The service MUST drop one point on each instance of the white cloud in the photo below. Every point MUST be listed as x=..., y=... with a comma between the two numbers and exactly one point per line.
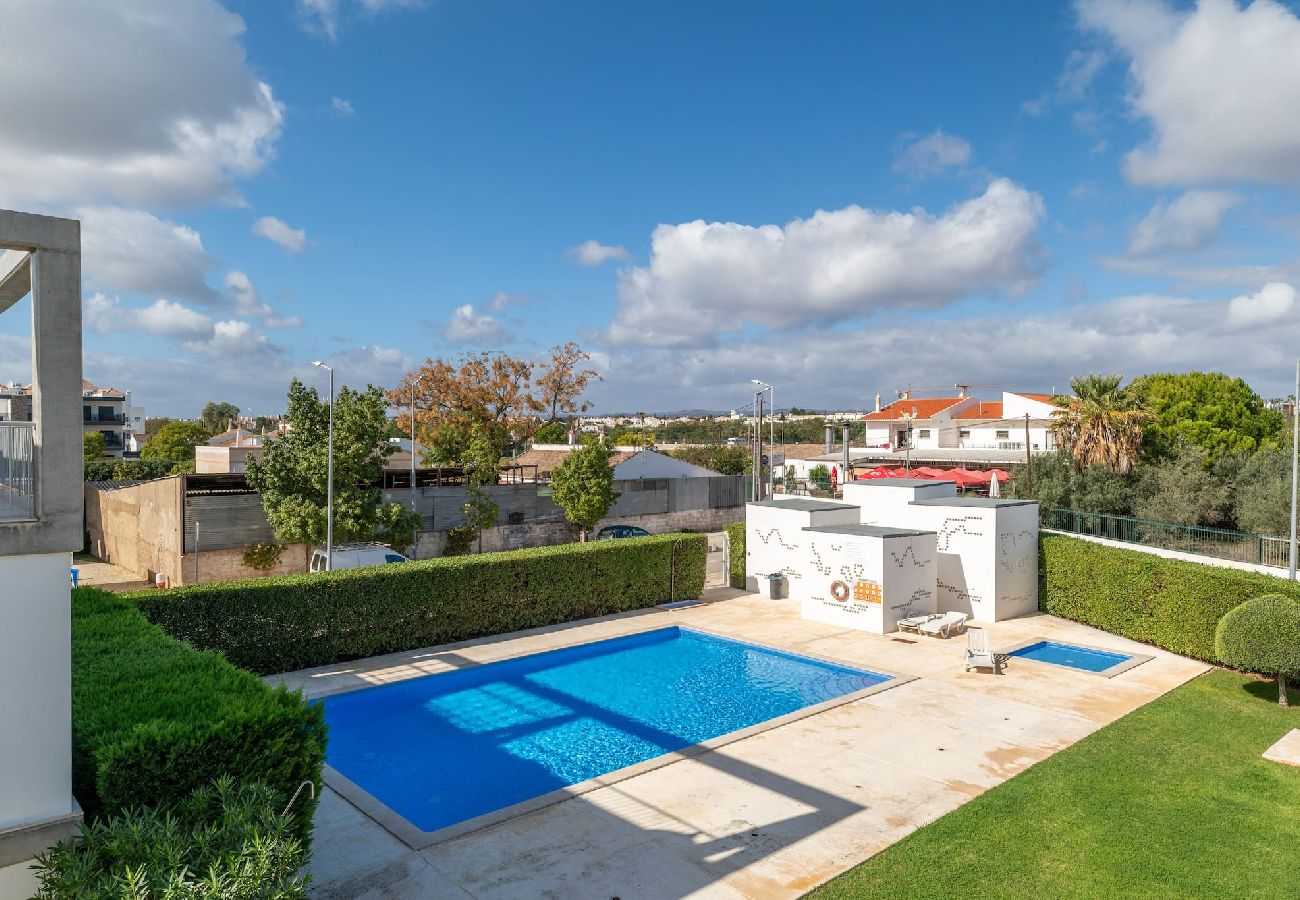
x=842, y=368
x=278, y=232
x=104, y=315
x=325, y=17
x=359, y=366
x=467, y=326
x=150, y=103
x=1219, y=84
x=247, y=302
x=341, y=107
x=132, y=251
x=502, y=301
x=932, y=155
x=1077, y=75
x=1188, y=223
x=706, y=277
x=594, y=253
x=1273, y=303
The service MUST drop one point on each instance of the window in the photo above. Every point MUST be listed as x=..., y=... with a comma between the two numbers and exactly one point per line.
x=964, y=433
x=1003, y=435
x=923, y=434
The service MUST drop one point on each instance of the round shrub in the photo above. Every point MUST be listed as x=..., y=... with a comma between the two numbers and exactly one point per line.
x=1262, y=635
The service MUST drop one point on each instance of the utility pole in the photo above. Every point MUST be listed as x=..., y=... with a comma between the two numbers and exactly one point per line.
x=1295, y=463
x=329, y=477
x=1029, y=459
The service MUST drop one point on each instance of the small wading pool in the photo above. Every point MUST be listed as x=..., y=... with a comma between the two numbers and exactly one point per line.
x=441, y=749
x=1072, y=656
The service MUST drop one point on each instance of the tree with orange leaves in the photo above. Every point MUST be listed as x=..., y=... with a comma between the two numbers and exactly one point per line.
x=564, y=378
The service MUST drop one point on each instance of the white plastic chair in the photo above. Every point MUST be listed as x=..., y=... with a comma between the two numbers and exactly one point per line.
x=979, y=655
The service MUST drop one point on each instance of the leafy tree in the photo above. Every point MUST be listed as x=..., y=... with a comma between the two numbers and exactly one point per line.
x=1262, y=635
x=1101, y=424
x=264, y=423
x=491, y=392
x=291, y=476
x=723, y=460
x=1181, y=489
x=1059, y=482
x=176, y=441
x=152, y=424
x=1211, y=410
x=1261, y=490
x=92, y=445
x=397, y=527
x=564, y=377
x=216, y=417
x=584, y=486
x=482, y=468
x=551, y=433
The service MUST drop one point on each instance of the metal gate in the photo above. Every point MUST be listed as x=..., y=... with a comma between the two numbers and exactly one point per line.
x=717, y=565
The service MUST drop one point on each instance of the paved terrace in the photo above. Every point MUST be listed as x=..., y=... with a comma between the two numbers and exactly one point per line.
x=767, y=816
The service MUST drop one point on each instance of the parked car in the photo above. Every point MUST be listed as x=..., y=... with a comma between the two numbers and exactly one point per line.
x=610, y=532
x=353, y=556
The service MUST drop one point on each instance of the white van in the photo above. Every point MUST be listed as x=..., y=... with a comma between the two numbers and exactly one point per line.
x=353, y=556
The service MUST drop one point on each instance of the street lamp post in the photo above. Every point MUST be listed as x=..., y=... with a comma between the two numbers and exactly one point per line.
x=771, y=425
x=415, y=382
x=329, y=477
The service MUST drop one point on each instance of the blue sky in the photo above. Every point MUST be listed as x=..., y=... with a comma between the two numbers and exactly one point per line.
x=1008, y=195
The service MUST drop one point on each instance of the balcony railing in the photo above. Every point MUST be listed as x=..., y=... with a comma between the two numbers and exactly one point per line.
x=17, y=484
x=104, y=419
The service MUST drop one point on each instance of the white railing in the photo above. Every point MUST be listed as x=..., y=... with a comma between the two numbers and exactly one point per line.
x=1275, y=551
x=17, y=475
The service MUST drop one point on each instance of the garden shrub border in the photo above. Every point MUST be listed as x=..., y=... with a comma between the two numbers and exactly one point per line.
x=736, y=553
x=1173, y=604
x=299, y=621
x=154, y=719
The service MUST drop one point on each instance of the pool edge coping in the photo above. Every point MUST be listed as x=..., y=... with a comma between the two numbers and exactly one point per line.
x=418, y=839
x=1134, y=659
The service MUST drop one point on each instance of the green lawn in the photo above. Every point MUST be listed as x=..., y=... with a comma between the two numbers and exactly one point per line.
x=1173, y=800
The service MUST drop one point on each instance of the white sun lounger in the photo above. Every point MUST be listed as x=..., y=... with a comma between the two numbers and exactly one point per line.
x=948, y=624
x=914, y=623
x=979, y=655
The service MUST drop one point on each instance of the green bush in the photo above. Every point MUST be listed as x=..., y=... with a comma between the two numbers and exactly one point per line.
x=223, y=841
x=153, y=719
x=736, y=548
x=281, y=624
x=127, y=469
x=1171, y=603
x=1262, y=635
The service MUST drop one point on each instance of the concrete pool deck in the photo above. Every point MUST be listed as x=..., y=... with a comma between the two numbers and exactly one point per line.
x=771, y=814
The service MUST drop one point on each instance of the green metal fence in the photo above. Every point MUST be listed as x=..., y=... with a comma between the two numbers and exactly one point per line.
x=1218, y=542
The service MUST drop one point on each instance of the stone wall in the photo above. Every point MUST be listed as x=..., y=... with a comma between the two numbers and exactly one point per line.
x=228, y=565
x=136, y=527
x=545, y=534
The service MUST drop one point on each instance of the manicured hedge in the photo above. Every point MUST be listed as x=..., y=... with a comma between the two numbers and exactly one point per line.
x=1171, y=603
x=736, y=537
x=280, y=624
x=154, y=719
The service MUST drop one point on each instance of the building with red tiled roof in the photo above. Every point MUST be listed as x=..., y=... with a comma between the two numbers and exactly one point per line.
x=916, y=421
x=929, y=423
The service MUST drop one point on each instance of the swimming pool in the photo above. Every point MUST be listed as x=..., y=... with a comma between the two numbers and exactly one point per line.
x=442, y=749
x=1072, y=656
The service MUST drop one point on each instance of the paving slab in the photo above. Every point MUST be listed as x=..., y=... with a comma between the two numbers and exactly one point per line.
x=1286, y=750
x=771, y=814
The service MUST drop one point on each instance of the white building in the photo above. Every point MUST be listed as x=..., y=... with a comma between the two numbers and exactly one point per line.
x=961, y=422
x=40, y=526
x=113, y=414
x=1001, y=424
x=897, y=547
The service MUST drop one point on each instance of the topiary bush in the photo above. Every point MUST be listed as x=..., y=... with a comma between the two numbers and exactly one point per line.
x=154, y=719
x=736, y=554
x=1171, y=603
x=1262, y=635
x=221, y=842
x=280, y=624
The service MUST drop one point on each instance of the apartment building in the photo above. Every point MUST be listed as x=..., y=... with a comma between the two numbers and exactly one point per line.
x=113, y=414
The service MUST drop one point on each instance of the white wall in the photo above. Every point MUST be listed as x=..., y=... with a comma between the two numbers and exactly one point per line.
x=776, y=542
x=35, y=645
x=884, y=500
x=901, y=566
x=987, y=554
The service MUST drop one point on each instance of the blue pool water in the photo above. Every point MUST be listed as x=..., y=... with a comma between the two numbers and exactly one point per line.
x=444, y=748
x=1071, y=656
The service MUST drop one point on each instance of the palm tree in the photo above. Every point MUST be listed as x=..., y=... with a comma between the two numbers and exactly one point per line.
x=1101, y=424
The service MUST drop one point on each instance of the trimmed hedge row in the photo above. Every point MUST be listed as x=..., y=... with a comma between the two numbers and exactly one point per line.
x=736, y=548
x=281, y=624
x=1171, y=603
x=153, y=719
